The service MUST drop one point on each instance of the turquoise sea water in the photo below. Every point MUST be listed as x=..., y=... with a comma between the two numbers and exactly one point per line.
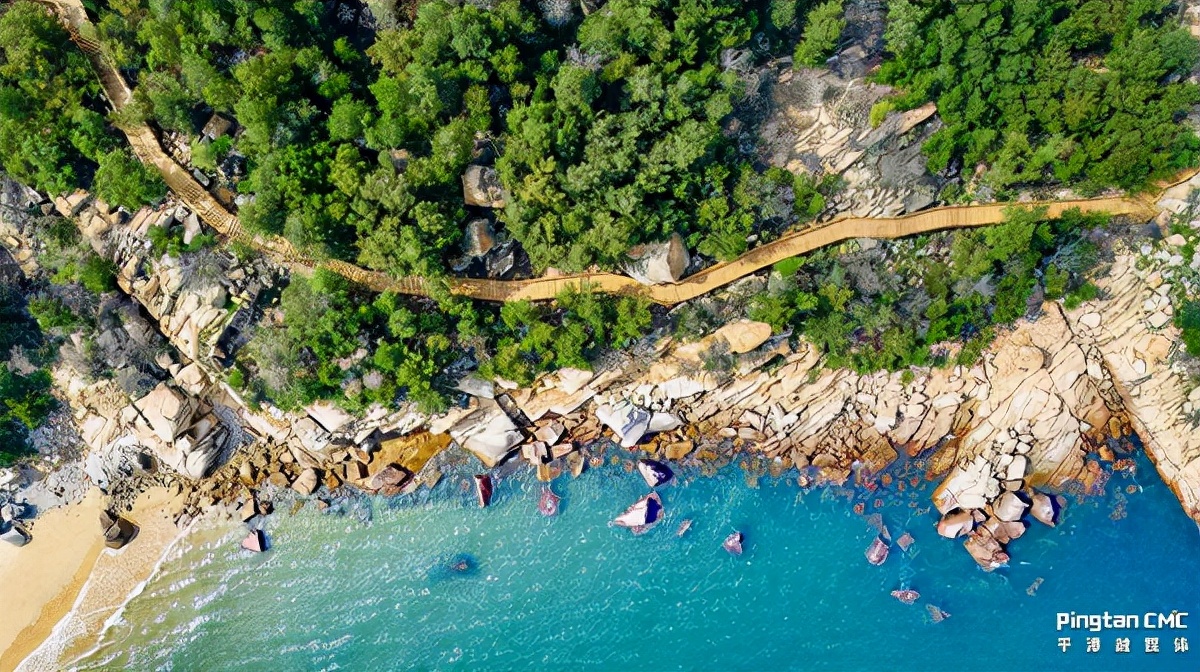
x=571, y=592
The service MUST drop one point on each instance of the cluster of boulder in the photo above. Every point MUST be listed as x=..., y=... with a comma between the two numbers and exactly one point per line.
x=986, y=499
x=1034, y=413
x=16, y=200
x=548, y=425
x=485, y=252
x=369, y=461
x=117, y=531
x=201, y=304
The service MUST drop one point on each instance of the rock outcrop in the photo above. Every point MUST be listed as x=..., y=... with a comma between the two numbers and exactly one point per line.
x=187, y=441
x=481, y=187
x=655, y=263
x=820, y=126
x=117, y=531
x=1027, y=416
x=15, y=534
x=1131, y=331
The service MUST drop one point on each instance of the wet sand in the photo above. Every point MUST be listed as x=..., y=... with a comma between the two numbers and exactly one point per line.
x=64, y=585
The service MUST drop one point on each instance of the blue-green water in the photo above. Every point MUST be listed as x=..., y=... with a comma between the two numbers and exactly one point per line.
x=571, y=592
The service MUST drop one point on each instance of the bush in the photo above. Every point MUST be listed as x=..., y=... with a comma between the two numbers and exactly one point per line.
x=976, y=59
x=25, y=403
x=1085, y=292
x=880, y=110
x=122, y=180
x=783, y=13
x=51, y=313
x=1055, y=281
x=52, y=124
x=170, y=241
x=1187, y=319
x=98, y=275
x=207, y=154
x=236, y=379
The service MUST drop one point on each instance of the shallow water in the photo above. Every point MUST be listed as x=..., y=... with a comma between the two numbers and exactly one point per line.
x=572, y=592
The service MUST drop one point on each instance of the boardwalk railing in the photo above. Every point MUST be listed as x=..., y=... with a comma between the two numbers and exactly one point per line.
x=146, y=146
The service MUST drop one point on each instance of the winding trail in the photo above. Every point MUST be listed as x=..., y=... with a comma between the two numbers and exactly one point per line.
x=149, y=150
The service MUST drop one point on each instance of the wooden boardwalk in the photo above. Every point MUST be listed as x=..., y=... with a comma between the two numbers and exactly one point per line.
x=146, y=146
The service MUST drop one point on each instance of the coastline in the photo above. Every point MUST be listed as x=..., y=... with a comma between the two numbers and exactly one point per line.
x=51, y=571
x=350, y=591
x=48, y=625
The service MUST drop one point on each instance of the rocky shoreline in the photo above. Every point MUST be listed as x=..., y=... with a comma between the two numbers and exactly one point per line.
x=1041, y=411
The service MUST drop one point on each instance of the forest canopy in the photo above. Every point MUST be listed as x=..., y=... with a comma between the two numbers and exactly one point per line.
x=608, y=128
x=1075, y=91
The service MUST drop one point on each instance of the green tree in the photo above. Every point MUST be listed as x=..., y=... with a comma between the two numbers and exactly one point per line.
x=1014, y=93
x=49, y=137
x=122, y=180
x=821, y=34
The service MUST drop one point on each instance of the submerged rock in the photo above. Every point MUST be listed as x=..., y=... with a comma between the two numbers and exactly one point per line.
x=390, y=478
x=642, y=515
x=1044, y=509
x=483, y=490
x=548, y=502
x=656, y=473
x=877, y=552
x=733, y=543
x=256, y=541
x=457, y=566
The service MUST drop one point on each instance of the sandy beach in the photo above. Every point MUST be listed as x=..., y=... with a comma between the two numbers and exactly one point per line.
x=67, y=584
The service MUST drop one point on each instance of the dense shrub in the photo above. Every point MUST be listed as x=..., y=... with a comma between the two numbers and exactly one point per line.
x=1080, y=91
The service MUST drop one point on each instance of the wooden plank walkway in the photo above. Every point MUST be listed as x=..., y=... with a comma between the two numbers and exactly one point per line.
x=146, y=146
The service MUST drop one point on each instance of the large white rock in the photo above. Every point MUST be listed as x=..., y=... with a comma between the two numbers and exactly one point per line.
x=656, y=263
x=965, y=487
x=955, y=524
x=477, y=387
x=1010, y=507
x=1016, y=468
x=488, y=433
x=663, y=422
x=681, y=387
x=572, y=380
x=1043, y=509
x=627, y=421
x=167, y=410
x=328, y=416
x=192, y=379
x=481, y=187
x=743, y=335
